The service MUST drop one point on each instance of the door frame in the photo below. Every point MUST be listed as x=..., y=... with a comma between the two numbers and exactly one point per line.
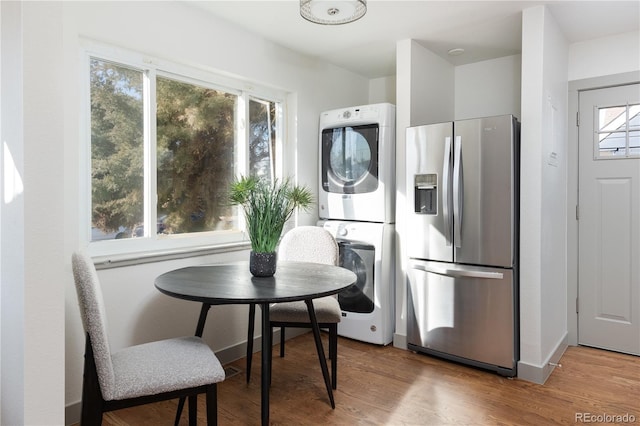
x=575, y=87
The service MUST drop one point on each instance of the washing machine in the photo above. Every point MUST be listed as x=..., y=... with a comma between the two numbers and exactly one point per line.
x=357, y=164
x=367, y=306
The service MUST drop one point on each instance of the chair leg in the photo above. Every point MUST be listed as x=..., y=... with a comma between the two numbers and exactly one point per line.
x=333, y=354
x=91, y=412
x=282, y=342
x=252, y=318
x=193, y=410
x=181, y=401
x=212, y=405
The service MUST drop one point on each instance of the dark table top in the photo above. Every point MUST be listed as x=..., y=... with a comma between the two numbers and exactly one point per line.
x=232, y=283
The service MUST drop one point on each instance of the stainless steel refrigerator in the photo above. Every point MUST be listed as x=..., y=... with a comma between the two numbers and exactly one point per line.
x=462, y=241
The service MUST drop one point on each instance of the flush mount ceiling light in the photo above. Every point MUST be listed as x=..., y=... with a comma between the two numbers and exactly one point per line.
x=456, y=52
x=332, y=12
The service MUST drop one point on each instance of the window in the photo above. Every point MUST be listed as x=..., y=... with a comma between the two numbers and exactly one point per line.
x=617, y=131
x=117, y=150
x=195, y=156
x=165, y=143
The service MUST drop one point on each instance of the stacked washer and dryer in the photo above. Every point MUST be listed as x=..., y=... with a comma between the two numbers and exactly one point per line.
x=356, y=201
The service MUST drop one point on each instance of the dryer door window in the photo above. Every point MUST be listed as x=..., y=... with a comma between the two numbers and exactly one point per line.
x=359, y=259
x=350, y=159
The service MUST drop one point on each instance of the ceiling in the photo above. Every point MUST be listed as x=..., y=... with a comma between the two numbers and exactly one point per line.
x=484, y=29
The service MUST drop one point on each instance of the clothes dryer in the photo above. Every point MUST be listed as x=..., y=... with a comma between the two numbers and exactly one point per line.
x=367, y=306
x=357, y=164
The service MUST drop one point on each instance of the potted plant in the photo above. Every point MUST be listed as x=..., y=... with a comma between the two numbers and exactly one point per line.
x=267, y=207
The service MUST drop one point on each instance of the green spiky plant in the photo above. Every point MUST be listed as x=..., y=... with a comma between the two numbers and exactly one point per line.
x=267, y=207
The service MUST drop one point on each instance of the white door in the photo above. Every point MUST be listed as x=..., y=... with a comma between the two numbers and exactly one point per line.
x=609, y=219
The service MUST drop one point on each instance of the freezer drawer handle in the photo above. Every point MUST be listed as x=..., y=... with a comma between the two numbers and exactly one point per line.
x=460, y=273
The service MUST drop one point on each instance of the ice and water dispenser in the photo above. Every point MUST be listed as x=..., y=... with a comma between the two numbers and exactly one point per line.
x=425, y=189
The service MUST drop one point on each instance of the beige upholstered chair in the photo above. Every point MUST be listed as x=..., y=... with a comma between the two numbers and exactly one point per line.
x=156, y=371
x=304, y=244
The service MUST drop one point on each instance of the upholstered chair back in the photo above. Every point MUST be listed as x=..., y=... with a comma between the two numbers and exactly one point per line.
x=309, y=244
x=94, y=319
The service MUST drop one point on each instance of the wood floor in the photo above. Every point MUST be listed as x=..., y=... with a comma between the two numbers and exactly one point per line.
x=389, y=386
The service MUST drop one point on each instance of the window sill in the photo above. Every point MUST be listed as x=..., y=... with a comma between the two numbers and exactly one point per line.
x=129, y=259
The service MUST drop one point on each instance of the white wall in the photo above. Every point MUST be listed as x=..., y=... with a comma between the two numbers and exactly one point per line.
x=44, y=211
x=487, y=88
x=48, y=59
x=11, y=217
x=543, y=284
x=604, y=56
x=432, y=87
x=403, y=120
x=32, y=234
x=382, y=90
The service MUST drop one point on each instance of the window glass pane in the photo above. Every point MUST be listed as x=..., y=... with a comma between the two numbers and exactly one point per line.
x=195, y=154
x=613, y=144
x=618, y=131
x=262, y=138
x=117, y=150
x=612, y=118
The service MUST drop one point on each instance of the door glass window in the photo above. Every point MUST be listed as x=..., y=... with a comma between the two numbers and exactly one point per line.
x=358, y=259
x=350, y=159
x=617, y=132
x=350, y=155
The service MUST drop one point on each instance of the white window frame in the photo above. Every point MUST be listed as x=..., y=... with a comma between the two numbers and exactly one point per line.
x=109, y=251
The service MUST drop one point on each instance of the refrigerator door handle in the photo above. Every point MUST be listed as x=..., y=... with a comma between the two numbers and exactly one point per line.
x=458, y=193
x=446, y=211
x=459, y=272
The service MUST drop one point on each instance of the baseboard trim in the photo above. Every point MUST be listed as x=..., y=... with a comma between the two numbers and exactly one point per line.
x=540, y=373
x=72, y=413
x=399, y=341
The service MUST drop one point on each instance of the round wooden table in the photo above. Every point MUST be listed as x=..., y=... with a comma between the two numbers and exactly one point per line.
x=232, y=283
